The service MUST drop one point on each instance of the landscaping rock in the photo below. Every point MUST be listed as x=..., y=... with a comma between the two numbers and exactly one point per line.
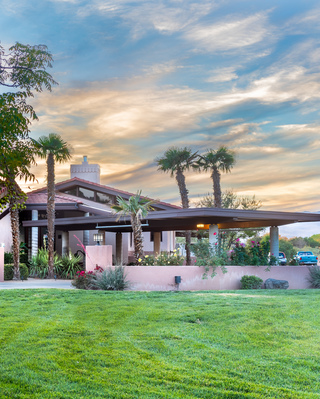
x=272, y=283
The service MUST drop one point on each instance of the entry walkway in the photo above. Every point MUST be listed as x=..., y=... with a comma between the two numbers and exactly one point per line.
x=37, y=283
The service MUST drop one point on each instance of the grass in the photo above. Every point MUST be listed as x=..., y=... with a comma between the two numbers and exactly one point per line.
x=93, y=344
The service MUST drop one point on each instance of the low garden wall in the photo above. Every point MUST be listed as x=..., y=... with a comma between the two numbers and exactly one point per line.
x=162, y=278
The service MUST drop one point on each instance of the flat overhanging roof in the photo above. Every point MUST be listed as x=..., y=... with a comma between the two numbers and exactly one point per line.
x=182, y=219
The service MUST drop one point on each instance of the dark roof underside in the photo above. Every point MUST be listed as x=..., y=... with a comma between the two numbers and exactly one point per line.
x=183, y=219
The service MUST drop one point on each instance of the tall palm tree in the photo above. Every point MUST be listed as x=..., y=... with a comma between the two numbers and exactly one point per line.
x=217, y=161
x=137, y=208
x=54, y=149
x=176, y=161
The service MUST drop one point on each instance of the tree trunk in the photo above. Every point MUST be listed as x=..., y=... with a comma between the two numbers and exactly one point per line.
x=14, y=218
x=185, y=204
x=216, y=187
x=50, y=213
x=137, y=239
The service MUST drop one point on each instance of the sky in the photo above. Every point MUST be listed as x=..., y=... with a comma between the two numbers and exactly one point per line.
x=138, y=77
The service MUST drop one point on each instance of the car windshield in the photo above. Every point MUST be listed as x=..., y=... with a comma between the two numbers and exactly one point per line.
x=305, y=253
x=281, y=255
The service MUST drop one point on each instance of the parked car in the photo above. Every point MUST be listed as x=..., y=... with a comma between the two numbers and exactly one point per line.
x=282, y=259
x=306, y=258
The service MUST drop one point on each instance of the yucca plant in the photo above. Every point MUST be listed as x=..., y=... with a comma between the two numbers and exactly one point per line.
x=69, y=265
x=39, y=265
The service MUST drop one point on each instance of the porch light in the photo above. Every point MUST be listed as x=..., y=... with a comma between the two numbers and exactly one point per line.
x=200, y=226
x=98, y=238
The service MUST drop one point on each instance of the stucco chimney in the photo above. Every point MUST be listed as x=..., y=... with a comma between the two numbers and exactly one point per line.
x=86, y=171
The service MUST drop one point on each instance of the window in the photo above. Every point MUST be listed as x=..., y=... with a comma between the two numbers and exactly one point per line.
x=72, y=191
x=85, y=193
x=103, y=198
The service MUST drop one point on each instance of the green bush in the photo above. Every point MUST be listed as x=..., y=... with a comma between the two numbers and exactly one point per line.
x=314, y=276
x=251, y=282
x=8, y=258
x=163, y=259
x=69, y=265
x=83, y=280
x=111, y=279
x=8, y=271
x=39, y=263
x=210, y=257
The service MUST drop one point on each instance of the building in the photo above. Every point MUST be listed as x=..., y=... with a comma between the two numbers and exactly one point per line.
x=82, y=196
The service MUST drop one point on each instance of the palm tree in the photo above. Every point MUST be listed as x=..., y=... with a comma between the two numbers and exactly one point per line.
x=137, y=208
x=176, y=161
x=54, y=149
x=217, y=161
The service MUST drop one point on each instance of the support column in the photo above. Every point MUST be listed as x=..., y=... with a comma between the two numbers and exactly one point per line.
x=274, y=242
x=119, y=256
x=156, y=243
x=34, y=234
x=86, y=233
x=213, y=235
x=65, y=243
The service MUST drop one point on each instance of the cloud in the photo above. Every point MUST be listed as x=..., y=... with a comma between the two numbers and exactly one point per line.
x=222, y=75
x=233, y=33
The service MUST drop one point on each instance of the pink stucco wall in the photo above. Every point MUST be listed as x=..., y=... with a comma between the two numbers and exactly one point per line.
x=100, y=255
x=161, y=278
x=1, y=264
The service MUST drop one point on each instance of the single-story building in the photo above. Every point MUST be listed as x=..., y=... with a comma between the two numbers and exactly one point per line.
x=83, y=209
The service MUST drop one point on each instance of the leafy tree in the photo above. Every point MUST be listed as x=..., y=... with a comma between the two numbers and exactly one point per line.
x=231, y=200
x=24, y=67
x=298, y=242
x=176, y=161
x=137, y=208
x=217, y=161
x=311, y=242
x=54, y=149
x=21, y=67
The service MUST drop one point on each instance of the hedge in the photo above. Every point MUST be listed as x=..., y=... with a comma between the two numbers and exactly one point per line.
x=8, y=271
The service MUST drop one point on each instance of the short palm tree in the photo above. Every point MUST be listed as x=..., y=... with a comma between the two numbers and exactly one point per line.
x=176, y=161
x=137, y=208
x=54, y=149
x=217, y=161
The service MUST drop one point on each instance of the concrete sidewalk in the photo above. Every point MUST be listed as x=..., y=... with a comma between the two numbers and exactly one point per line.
x=36, y=283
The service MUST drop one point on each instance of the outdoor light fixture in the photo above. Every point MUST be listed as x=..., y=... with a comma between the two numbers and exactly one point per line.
x=200, y=226
x=98, y=238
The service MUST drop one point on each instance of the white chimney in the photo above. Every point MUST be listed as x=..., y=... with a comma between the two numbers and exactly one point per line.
x=86, y=171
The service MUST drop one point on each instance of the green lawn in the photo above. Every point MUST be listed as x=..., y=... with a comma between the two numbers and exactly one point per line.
x=94, y=344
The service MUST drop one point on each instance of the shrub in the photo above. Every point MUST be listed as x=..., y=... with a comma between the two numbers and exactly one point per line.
x=251, y=282
x=83, y=280
x=8, y=258
x=69, y=265
x=39, y=263
x=210, y=257
x=111, y=279
x=8, y=271
x=314, y=276
x=163, y=259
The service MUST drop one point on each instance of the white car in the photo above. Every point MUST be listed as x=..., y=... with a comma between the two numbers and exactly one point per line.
x=282, y=259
